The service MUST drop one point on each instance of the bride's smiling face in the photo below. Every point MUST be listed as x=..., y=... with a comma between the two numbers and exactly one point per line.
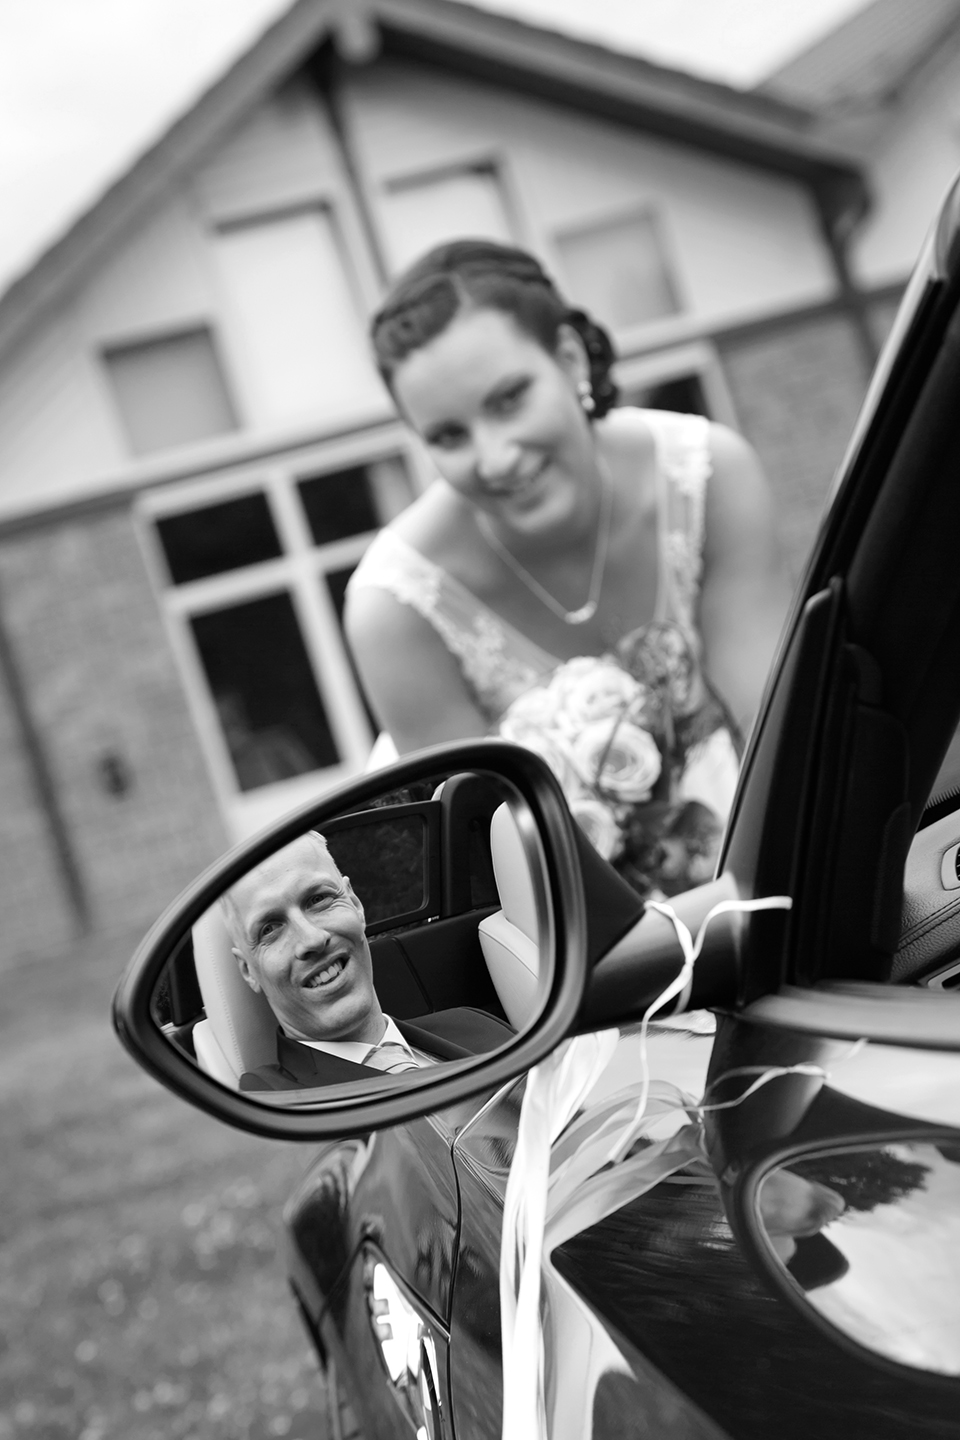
x=502, y=417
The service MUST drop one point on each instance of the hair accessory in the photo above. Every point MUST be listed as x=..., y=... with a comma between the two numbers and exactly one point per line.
x=585, y=391
x=589, y=609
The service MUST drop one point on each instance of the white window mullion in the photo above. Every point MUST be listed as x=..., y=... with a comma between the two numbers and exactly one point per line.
x=321, y=629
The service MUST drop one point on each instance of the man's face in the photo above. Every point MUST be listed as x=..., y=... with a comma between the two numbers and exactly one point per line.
x=302, y=943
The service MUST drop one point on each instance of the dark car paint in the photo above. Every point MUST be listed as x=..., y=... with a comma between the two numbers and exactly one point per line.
x=349, y=1200
x=665, y=1271
x=712, y=1349
x=701, y=1332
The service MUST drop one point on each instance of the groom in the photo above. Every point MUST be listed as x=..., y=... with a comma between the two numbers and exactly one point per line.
x=298, y=935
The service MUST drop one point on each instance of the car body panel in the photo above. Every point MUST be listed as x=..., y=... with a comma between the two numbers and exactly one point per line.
x=654, y=1317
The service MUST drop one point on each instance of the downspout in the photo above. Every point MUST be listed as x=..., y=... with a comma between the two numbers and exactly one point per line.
x=840, y=214
x=357, y=47
x=43, y=784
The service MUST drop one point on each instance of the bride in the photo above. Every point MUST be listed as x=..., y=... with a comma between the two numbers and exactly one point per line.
x=559, y=526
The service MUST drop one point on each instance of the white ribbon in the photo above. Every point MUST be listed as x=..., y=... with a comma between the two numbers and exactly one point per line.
x=568, y=1173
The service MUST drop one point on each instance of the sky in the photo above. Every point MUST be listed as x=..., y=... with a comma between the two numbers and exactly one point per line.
x=87, y=85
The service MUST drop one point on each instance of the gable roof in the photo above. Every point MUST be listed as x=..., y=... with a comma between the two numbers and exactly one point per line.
x=752, y=128
x=866, y=61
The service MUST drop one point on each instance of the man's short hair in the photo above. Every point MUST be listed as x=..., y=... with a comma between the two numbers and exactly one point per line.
x=229, y=910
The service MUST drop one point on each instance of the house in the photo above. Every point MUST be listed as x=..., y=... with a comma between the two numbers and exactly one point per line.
x=195, y=447
x=885, y=87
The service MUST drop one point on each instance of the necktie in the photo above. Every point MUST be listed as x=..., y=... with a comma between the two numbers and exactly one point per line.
x=390, y=1057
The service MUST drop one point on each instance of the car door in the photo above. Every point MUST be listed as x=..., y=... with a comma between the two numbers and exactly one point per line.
x=850, y=784
x=849, y=773
x=671, y=1312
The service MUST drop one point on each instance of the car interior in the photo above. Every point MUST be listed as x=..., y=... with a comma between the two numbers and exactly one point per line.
x=929, y=947
x=451, y=910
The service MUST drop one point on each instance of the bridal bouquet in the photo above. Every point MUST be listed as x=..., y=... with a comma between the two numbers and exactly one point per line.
x=623, y=733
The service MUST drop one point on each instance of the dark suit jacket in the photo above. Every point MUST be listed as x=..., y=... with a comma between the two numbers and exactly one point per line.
x=447, y=1034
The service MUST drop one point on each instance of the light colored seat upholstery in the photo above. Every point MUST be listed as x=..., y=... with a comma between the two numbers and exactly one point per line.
x=510, y=937
x=240, y=1031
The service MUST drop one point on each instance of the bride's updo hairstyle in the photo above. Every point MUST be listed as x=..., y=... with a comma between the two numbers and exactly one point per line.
x=482, y=275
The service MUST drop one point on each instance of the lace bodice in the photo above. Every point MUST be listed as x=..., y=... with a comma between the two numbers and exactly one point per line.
x=497, y=661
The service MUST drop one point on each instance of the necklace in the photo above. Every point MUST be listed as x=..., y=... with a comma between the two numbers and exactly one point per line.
x=589, y=609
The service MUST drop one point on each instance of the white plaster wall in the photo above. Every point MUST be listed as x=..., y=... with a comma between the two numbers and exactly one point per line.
x=283, y=154
x=59, y=433
x=58, y=426
x=282, y=158
x=55, y=423
x=911, y=164
x=742, y=242
x=155, y=282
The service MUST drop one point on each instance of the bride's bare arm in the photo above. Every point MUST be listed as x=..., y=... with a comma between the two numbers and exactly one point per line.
x=414, y=683
x=744, y=590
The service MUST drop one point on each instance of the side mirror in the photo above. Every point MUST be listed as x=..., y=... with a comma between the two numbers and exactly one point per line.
x=444, y=895
x=841, y=1181
x=451, y=894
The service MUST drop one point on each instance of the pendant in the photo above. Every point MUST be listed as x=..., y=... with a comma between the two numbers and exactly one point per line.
x=581, y=616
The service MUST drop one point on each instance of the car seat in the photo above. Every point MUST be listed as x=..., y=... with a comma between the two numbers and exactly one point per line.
x=509, y=938
x=240, y=1029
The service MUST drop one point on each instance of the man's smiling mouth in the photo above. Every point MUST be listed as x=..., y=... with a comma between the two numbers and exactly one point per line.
x=325, y=975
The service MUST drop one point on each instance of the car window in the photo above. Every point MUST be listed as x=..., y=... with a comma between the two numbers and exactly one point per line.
x=387, y=864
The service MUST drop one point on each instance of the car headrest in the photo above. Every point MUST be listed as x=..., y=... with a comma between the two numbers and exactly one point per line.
x=509, y=937
x=511, y=870
x=240, y=1019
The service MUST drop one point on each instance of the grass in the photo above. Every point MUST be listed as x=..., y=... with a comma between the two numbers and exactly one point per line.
x=142, y=1288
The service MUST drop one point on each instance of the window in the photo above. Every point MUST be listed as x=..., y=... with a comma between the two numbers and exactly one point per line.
x=348, y=502
x=296, y=323
x=273, y=719
x=455, y=204
x=253, y=571
x=685, y=378
x=682, y=393
x=219, y=537
x=617, y=271
x=170, y=391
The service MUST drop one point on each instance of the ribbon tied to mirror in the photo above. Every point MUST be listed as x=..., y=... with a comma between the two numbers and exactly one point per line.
x=573, y=1166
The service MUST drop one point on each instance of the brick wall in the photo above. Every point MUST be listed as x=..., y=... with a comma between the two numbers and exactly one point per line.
x=797, y=391
x=101, y=684
x=33, y=900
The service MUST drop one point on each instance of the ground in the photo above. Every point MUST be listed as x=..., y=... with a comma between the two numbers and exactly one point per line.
x=142, y=1285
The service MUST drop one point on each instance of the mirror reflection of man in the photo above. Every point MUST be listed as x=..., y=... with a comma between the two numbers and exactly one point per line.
x=298, y=934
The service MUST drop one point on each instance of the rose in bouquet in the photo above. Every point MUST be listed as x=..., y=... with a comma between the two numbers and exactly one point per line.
x=618, y=732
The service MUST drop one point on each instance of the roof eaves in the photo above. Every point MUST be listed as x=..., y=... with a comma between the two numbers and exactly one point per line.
x=179, y=149
x=750, y=127
x=753, y=128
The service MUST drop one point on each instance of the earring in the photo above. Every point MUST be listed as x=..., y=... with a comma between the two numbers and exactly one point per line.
x=585, y=392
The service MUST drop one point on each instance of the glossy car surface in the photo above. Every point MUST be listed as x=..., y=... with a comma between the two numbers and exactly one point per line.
x=676, y=1314
x=660, y=1323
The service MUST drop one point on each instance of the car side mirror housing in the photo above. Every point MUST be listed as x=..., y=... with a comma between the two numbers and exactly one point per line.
x=205, y=1001
x=451, y=895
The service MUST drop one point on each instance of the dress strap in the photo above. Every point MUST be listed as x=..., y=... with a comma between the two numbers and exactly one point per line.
x=684, y=465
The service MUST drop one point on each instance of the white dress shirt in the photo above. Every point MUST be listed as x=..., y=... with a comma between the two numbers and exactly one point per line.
x=361, y=1052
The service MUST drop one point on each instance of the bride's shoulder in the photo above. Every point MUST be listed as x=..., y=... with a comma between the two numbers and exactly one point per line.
x=626, y=436
x=624, y=421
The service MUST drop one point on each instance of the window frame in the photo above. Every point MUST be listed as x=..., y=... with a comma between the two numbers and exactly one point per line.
x=298, y=571
x=492, y=161
x=627, y=335
x=209, y=325
x=657, y=367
